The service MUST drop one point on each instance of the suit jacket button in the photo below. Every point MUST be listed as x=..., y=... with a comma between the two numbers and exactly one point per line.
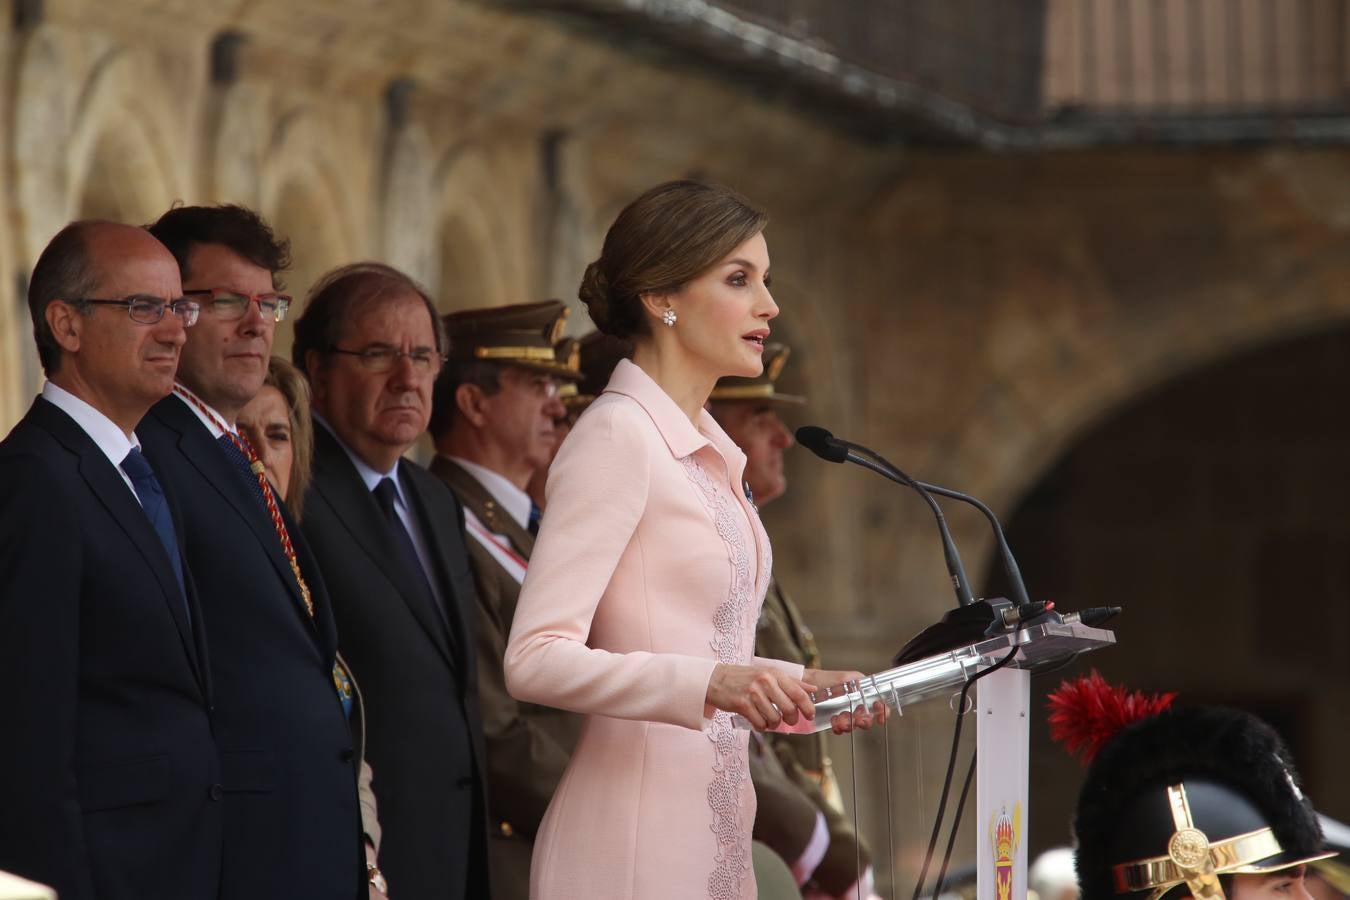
x=463, y=782
x=346, y=755
x=216, y=792
x=507, y=830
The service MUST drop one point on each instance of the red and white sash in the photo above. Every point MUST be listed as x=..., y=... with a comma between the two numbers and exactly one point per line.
x=497, y=546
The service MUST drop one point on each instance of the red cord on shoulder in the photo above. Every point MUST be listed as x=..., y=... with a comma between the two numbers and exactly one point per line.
x=1087, y=712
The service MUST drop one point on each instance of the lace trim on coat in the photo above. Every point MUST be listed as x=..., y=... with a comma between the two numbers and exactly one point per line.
x=733, y=634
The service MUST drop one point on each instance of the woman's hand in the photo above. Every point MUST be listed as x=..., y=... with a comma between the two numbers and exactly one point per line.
x=823, y=678
x=762, y=695
x=844, y=722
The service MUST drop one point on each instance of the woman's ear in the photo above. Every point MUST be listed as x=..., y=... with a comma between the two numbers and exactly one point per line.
x=654, y=305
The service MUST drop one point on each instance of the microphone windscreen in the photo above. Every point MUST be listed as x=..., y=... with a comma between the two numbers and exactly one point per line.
x=822, y=443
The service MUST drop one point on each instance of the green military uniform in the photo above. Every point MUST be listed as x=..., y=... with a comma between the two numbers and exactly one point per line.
x=802, y=760
x=792, y=774
x=593, y=357
x=528, y=746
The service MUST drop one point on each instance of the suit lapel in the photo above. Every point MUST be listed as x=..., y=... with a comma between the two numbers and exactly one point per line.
x=440, y=522
x=323, y=619
x=111, y=491
x=204, y=454
x=478, y=500
x=340, y=484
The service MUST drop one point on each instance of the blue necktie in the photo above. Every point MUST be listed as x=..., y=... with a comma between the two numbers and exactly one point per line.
x=241, y=464
x=535, y=515
x=386, y=493
x=151, y=495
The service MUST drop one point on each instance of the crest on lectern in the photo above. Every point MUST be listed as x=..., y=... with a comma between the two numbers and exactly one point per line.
x=1005, y=834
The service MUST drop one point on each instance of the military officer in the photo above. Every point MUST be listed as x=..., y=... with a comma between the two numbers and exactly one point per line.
x=800, y=811
x=594, y=357
x=495, y=409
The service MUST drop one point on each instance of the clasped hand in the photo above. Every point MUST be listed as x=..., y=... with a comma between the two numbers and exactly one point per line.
x=767, y=697
x=844, y=722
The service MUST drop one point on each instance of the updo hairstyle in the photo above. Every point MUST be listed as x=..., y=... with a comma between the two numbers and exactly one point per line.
x=660, y=242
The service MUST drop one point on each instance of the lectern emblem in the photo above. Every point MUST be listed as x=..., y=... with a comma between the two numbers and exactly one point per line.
x=1005, y=834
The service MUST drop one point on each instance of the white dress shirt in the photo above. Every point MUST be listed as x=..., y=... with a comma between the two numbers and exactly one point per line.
x=206, y=420
x=103, y=431
x=516, y=502
x=372, y=478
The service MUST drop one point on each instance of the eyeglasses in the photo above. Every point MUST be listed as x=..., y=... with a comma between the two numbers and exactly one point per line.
x=381, y=359
x=231, y=305
x=148, y=309
x=540, y=386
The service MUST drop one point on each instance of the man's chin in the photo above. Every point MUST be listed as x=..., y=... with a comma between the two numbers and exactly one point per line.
x=157, y=387
x=401, y=435
x=770, y=494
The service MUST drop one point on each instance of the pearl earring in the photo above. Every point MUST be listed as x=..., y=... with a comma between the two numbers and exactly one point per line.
x=668, y=318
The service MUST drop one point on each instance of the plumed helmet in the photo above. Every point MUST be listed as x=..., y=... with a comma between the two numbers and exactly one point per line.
x=1182, y=796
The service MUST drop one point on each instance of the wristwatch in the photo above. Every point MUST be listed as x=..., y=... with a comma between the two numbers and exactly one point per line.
x=376, y=878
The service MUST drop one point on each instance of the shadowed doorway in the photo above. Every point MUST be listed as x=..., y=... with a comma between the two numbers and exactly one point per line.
x=1213, y=509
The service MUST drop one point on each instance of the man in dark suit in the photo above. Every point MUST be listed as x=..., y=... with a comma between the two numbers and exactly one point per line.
x=495, y=406
x=292, y=825
x=390, y=538
x=109, y=779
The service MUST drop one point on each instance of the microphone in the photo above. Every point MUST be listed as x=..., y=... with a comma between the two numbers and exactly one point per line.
x=1010, y=567
x=971, y=620
x=822, y=443
x=829, y=448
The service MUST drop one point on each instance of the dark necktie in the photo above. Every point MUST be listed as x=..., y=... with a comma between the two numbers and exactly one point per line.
x=386, y=494
x=535, y=515
x=241, y=464
x=151, y=495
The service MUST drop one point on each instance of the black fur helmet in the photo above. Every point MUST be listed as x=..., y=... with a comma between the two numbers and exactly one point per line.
x=1181, y=797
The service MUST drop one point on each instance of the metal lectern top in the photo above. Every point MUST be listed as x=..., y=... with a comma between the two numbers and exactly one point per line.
x=1039, y=646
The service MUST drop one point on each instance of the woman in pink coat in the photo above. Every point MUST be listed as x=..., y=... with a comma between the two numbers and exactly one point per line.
x=645, y=583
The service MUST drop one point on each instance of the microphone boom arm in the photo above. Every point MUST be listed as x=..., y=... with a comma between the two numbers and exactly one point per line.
x=960, y=583
x=1018, y=586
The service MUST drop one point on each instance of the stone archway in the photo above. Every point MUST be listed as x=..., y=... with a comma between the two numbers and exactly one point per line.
x=304, y=199
x=407, y=206
x=13, y=311
x=304, y=213
x=1035, y=295
x=1209, y=508
x=42, y=114
x=1057, y=394
x=238, y=127
x=122, y=165
x=120, y=182
x=88, y=140
x=466, y=277
x=483, y=256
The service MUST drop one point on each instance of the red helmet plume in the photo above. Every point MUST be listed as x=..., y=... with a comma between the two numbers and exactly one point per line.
x=1087, y=712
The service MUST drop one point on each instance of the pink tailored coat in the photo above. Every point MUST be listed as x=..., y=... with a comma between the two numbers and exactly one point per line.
x=650, y=568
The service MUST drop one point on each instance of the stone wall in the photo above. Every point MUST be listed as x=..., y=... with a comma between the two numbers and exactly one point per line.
x=1210, y=509
x=969, y=314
